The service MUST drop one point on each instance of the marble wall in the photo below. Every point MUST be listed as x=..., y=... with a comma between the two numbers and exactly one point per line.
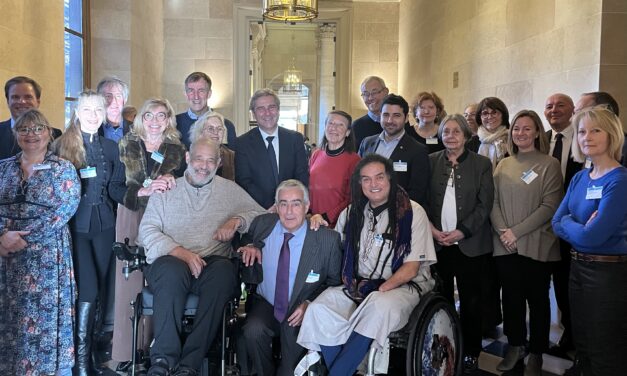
x=519, y=50
x=31, y=44
x=375, y=50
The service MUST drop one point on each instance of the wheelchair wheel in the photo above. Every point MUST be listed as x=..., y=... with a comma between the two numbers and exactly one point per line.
x=435, y=343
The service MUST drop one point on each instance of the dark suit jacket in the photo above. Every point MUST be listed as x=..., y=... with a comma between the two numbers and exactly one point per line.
x=474, y=197
x=126, y=127
x=321, y=253
x=253, y=171
x=114, y=192
x=572, y=167
x=8, y=143
x=416, y=179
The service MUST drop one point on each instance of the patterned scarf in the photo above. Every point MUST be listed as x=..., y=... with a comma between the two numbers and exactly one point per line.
x=358, y=288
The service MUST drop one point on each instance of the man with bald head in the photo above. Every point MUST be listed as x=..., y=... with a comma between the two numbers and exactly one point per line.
x=558, y=110
x=373, y=90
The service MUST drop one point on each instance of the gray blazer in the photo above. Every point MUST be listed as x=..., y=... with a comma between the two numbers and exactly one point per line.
x=321, y=253
x=474, y=196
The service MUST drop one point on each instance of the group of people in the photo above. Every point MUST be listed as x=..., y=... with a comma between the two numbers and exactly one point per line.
x=342, y=243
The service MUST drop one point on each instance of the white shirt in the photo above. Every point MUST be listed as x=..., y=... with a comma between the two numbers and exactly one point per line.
x=567, y=141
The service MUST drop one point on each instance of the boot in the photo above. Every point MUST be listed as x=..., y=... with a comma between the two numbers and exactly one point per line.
x=534, y=365
x=513, y=355
x=84, y=324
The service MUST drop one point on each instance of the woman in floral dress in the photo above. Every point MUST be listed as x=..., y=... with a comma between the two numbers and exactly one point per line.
x=39, y=193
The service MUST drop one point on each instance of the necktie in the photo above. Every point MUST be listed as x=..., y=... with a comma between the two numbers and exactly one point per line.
x=557, y=149
x=272, y=155
x=282, y=285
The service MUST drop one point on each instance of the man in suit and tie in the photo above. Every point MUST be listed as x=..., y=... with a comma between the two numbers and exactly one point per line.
x=198, y=91
x=410, y=158
x=297, y=265
x=558, y=110
x=115, y=92
x=269, y=154
x=22, y=94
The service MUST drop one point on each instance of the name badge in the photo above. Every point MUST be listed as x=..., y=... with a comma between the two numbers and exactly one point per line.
x=41, y=166
x=88, y=172
x=432, y=141
x=588, y=163
x=594, y=193
x=157, y=157
x=400, y=166
x=529, y=176
x=312, y=277
x=147, y=183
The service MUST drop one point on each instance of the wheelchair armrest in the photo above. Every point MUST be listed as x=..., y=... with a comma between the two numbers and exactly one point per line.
x=134, y=257
x=251, y=275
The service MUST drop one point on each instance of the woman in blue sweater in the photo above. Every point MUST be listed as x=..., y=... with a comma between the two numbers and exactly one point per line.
x=593, y=218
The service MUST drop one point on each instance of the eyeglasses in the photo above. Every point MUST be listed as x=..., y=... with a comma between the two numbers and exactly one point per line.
x=367, y=94
x=37, y=130
x=160, y=116
x=486, y=113
x=213, y=130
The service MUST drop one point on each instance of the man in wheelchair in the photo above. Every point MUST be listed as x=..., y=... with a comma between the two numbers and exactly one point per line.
x=297, y=264
x=388, y=249
x=187, y=233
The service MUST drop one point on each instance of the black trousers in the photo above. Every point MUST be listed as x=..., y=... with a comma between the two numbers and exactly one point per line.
x=525, y=281
x=260, y=328
x=598, y=301
x=453, y=264
x=561, y=271
x=92, y=257
x=170, y=281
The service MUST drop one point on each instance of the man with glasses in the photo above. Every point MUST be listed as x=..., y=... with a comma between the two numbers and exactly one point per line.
x=115, y=92
x=198, y=91
x=269, y=154
x=373, y=91
x=22, y=94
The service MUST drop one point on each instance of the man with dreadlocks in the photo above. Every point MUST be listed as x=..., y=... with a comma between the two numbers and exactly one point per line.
x=388, y=249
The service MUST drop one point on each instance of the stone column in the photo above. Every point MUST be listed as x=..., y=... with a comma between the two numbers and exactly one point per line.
x=326, y=77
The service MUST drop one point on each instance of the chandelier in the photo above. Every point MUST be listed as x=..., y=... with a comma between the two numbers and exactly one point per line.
x=290, y=10
x=292, y=79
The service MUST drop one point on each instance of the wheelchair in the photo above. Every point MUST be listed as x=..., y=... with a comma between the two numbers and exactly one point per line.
x=135, y=259
x=431, y=339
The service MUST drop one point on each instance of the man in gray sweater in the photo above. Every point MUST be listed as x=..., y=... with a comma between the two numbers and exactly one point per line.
x=187, y=233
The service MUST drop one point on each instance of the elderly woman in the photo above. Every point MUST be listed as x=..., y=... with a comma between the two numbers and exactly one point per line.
x=388, y=249
x=39, y=193
x=593, y=218
x=461, y=198
x=211, y=125
x=153, y=157
x=429, y=111
x=330, y=169
x=97, y=161
x=493, y=119
x=528, y=189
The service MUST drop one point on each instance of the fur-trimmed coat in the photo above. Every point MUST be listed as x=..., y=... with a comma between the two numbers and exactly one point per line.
x=133, y=155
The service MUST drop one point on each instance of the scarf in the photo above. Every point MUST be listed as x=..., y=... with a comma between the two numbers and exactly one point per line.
x=358, y=288
x=493, y=145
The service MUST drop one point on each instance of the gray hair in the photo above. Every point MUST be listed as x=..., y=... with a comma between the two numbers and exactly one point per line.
x=207, y=142
x=112, y=80
x=292, y=183
x=460, y=120
x=373, y=78
x=263, y=93
x=195, y=131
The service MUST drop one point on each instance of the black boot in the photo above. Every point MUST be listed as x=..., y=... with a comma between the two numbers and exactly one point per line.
x=84, y=324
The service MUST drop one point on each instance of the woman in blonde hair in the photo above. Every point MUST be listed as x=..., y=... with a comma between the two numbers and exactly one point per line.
x=211, y=125
x=97, y=162
x=153, y=157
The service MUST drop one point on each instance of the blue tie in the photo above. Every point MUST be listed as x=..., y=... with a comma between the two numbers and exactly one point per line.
x=272, y=155
x=282, y=285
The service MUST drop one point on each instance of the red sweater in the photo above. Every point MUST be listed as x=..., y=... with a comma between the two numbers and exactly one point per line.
x=329, y=183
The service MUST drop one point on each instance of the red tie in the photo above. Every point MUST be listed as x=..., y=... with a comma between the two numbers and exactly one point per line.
x=282, y=285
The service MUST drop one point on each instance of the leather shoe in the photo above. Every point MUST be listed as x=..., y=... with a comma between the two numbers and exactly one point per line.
x=159, y=367
x=184, y=371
